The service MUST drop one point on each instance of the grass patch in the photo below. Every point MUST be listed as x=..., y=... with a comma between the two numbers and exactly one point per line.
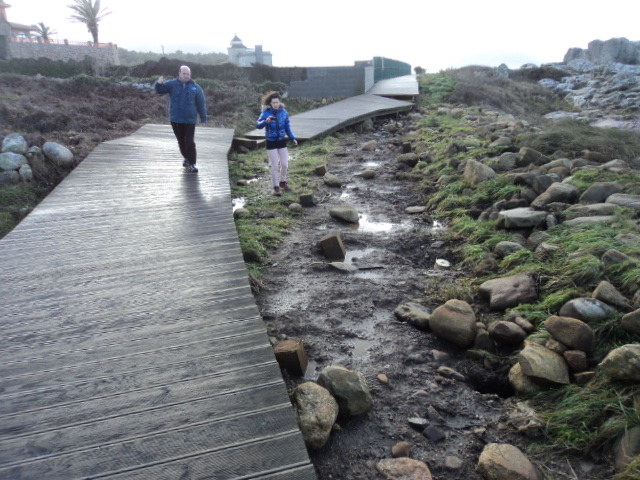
x=16, y=201
x=573, y=137
x=270, y=218
x=588, y=419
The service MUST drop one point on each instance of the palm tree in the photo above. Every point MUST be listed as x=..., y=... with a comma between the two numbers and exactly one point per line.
x=90, y=14
x=44, y=32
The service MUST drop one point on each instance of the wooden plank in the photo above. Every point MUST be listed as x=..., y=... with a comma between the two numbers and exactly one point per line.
x=132, y=346
x=339, y=115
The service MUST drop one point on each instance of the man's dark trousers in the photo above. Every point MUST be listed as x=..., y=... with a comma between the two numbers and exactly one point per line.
x=185, y=133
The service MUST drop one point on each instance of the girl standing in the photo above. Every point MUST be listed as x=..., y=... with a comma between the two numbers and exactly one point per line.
x=276, y=121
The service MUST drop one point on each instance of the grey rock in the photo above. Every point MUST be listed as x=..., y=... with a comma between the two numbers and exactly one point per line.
x=508, y=292
x=607, y=293
x=598, y=192
x=557, y=192
x=348, y=387
x=506, y=333
x=12, y=161
x=316, y=411
x=596, y=220
x=345, y=212
x=15, y=143
x=57, y=153
x=589, y=310
x=414, y=314
x=455, y=322
x=543, y=366
x=625, y=200
x=332, y=180
x=476, y=172
x=517, y=218
x=506, y=248
x=631, y=322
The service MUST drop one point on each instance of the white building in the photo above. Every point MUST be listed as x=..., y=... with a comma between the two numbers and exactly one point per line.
x=244, y=57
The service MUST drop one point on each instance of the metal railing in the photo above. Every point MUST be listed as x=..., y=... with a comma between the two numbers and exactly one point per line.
x=61, y=42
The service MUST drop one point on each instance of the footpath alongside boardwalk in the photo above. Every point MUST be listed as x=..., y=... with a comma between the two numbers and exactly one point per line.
x=131, y=345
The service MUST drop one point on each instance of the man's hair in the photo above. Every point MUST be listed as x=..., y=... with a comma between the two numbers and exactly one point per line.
x=266, y=100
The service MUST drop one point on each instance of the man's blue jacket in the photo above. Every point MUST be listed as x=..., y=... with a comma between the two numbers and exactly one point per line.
x=186, y=100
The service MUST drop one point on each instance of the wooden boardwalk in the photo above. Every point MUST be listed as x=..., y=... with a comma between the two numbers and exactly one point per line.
x=405, y=87
x=337, y=116
x=131, y=344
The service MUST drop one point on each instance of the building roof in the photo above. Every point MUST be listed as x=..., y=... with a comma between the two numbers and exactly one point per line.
x=235, y=41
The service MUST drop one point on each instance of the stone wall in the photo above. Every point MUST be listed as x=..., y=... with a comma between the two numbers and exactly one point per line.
x=103, y=55
x=614, y=50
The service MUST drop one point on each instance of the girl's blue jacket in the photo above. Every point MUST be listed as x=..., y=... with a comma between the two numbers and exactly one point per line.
x=276, y=129
x=186, y=100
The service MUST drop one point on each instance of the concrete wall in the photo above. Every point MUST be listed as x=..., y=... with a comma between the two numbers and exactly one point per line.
x=333, y=82
x=103, y=55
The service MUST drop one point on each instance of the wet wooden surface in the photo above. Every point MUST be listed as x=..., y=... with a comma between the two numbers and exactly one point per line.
x=337, y=116
x=131, y=344
x=405, y=87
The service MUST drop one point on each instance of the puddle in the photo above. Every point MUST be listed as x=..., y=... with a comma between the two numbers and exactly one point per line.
x=237, y=203
x=360, y=347
x=369, y=226
x=371, y=164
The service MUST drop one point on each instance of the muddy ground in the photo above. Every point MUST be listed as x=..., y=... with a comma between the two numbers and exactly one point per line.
x=348, y=319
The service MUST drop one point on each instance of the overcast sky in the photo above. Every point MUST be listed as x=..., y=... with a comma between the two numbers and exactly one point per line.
x=433, y=35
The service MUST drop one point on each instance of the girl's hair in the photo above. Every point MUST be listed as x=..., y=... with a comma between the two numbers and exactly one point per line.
x=266, y=100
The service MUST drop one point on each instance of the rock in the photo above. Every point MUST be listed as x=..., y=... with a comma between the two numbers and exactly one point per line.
x=403, y=469
x=449, y=372
x=614, y=259
x=599, y=220
x=58, y=154
x=343, y=267
x=415, y=209
x=316, y=411
x=345, y=212
x=543, y=366
x=410, y=159
x=506, y=462
x=241, y=212
x=506, y=333
x=588, y=310
x=624, y=200
x=508, y=292
x=418, y=423
x=607, y=293
x=332, y=180
x=368, y=174
x=517, y=218
x=598, y=192
x=476, y=172
x=501, y=142
x=571, y=332
x=504, y=163
x=348, y=387
x=521, y=383
x=506, y=248
x=12, y=161
x=296, y=208
x=628, y=238
x=623, y=363
x=528, y=156
x=631, y=322
x=414, y=314
x=454, y=322
x=536, y=239
x=434, y=434
x=452, y=463
x=593, y=209
x=576, y=360
x=626, y=448
x=401, y=449
x=10, y=177
x=557, y=192
x=14, y=143
x=26, y=174
x=370, y=146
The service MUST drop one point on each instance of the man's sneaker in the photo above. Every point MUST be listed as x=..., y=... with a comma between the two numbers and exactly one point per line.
x=284, y=186
x=193, y=168
x=276, y=191
x=185, y=163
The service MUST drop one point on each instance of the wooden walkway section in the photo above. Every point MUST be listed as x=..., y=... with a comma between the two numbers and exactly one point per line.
x=337, y=116
x=402, y=88
x=131, y=344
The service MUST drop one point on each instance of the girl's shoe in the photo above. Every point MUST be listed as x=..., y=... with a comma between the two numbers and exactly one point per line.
x=285, y=186
x=276, y=191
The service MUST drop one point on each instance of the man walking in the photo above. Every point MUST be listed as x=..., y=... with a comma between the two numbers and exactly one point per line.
x=186, y=102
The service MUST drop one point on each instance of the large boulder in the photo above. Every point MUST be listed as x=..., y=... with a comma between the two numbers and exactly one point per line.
x=15, y=143
x=543, y=366
x=12, y=161
x=57, y=153
x=508, y=292
x=500, y=461
x=455, y=322
x=625, y=200
x=571, y=332
x=317, y=411
x=348, y=387
x=623, y=363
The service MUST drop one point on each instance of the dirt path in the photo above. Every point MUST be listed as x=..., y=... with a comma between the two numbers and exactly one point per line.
x=347, y=319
